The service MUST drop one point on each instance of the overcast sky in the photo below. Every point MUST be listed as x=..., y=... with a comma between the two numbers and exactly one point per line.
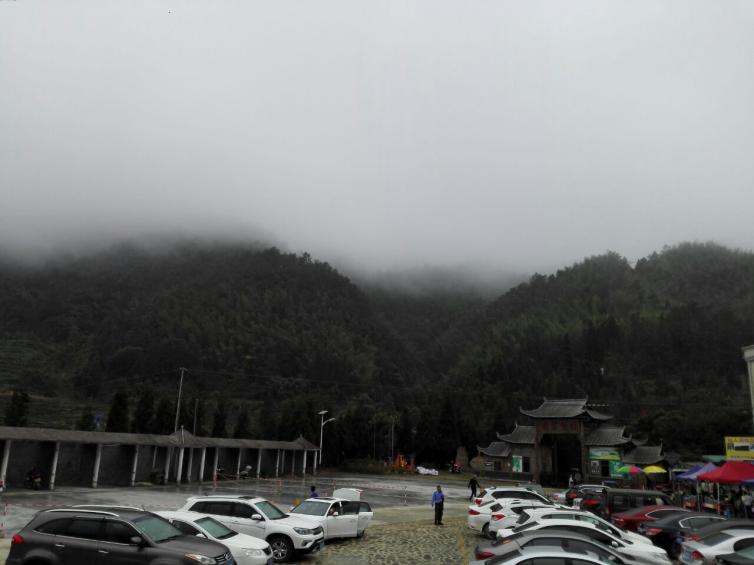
x=518, y=134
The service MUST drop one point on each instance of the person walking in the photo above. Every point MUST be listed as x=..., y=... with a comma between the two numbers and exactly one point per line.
x=438, y=501
x=473, y=485
x=313, y=492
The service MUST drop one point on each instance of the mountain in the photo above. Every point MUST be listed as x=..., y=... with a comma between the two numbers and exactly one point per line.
x=268, y=339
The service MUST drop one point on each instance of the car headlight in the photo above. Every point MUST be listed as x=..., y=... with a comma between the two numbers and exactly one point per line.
x=304, y=531
x=253, y=552
x=203, y=559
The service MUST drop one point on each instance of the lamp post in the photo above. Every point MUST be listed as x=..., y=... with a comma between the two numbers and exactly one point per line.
x=322, y=424
x=748, y=352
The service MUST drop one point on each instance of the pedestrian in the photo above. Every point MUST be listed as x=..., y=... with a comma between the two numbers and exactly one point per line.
x=438, y=501
x=571, y=481
x=313, y=492
x=473, y=485
x=746, y=502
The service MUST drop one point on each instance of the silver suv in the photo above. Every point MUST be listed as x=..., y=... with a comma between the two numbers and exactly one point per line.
x=116, y=535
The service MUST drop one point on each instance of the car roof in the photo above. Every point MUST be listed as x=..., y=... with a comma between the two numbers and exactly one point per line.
x=230, y=497
x=612, y=490
x=541, y=552
x=675, y=518
x=94, y=510
x=556, y=532
x=711, y=529
x=650, y=508
x=180, y=515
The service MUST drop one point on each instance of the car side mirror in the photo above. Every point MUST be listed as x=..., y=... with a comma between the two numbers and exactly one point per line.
x=256, y=517
x=137, y=540
x=200, y=535
x=614, y=543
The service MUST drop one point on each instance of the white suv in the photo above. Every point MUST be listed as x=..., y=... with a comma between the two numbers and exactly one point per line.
x=260, y=518
x=517, y=493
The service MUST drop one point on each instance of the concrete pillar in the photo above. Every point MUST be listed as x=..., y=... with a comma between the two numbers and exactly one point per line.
x=134, y=465
x=6, y=457
x=293, y=463
x=259, y=461
x=97, y=461
x=154, y=456
x=217, y=461
x=282, y=465
x=315, y=462
x=190, y=464
x=167, y=464
x=54, y=469
x=748, y=353
x=303, y=467
x=202, y=460
x=238, y=463
x=179, y=467
x=277, y=464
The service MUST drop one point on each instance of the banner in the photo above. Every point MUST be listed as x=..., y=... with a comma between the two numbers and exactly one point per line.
x=604, y=454
x=517, y=464
x=739, y=448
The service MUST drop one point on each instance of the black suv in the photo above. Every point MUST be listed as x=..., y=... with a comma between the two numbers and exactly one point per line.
x=113, y=535
x=613, y=500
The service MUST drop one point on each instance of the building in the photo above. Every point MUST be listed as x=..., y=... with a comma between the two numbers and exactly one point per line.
x=562, y=437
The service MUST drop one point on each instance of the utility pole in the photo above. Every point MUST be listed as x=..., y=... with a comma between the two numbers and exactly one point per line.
x=748, y=352
x=178, y=404
x=196, y=410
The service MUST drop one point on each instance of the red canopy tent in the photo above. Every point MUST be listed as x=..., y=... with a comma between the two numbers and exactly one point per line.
x=731, y=473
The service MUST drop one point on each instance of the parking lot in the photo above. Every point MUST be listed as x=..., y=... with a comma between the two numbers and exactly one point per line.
x=402, y=527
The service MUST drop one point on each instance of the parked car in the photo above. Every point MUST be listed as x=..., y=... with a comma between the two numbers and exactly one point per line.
x=631, y=519
x=117, y=535
x=573, y=495
x=705, y=551
x=518, y=493
x=616, y=500
x=632, y=550
x=338, y=517
x=543, y=556
x=567, y=540
x=670, y=531
x=246, y=550
x=721, y=526
x=478, y=516
x=508, y=515
x=742, y=557
x=287, y=535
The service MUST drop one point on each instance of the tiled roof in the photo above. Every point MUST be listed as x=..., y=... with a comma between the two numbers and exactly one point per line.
x=644, y=455
x=607, y=436
x=180, y=438
x=496, y=449
x=522, y=435
x=567, y=408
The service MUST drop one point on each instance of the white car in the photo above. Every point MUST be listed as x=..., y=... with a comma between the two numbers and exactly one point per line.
x=260, y=518
x=510, y=513
x=638, y=552
x=549, y=556
x=478, y=516
x=246, y=550
x=497, y=493
x=339, y=518
x=705, y=551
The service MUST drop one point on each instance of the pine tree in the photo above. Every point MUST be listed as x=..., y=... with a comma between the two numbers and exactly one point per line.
x=18, y=410
x=219, y=426
x=144, y=414
x=117, y=418
x=163, y=418
x=86, y=420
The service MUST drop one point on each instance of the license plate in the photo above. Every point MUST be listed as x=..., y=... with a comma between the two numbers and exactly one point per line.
x=319, y=545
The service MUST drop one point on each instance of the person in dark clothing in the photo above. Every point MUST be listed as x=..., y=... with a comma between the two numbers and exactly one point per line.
x=313, y=492
x=473, y=485
x=438, y=501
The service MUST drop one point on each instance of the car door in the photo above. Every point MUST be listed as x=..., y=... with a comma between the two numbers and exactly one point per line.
x=336, y=524
x=365, y=517
x=222, y=511
x=117, y=546
x=80, y=544
x=243, y=514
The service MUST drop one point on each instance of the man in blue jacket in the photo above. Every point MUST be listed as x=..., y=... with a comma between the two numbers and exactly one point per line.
x=438, y=501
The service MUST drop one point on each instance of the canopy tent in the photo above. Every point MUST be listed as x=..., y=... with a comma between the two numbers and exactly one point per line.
x=731, y=473
x=695, y=471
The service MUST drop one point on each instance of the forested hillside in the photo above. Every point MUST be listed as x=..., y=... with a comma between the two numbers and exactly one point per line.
x=269, y=339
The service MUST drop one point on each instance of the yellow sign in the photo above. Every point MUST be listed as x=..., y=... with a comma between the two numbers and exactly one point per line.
x=740, y=448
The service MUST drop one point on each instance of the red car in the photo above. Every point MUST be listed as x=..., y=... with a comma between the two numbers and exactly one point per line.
x=630, y=519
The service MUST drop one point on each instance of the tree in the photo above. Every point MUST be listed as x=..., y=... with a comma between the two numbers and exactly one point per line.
x=163, y=418
x=117, y=418
x=144, y=414
x=243, y=427
x=18, y=410
x=220, y=423
x=86, y=420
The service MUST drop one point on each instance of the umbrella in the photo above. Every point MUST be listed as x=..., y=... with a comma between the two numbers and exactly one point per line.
x=630, y=470
x=654, y=469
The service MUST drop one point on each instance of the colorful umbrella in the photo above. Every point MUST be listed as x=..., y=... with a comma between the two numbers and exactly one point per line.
x=630, y=470
x=654, y=469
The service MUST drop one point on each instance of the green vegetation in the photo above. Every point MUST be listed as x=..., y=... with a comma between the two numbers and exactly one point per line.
x=270, y=338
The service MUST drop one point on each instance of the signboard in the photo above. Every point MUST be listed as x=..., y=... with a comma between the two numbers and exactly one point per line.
x=517, y=464
x=595, y=468
x=604, y=454
x=614, y=466
x=739, y=448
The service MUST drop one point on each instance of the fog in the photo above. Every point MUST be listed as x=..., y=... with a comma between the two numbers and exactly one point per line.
x=379, y=134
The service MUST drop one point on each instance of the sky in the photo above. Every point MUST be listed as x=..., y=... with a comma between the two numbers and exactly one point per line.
x=494, y=134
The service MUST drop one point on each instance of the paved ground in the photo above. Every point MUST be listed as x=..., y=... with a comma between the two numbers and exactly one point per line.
x=402, y=530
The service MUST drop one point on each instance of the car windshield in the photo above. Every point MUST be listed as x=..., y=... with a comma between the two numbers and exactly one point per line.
x=270, y=511
x=215, y=528
x=157, y=529
x=312, y=508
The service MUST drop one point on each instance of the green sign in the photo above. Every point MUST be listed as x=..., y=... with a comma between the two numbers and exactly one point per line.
x=614, y=466
x=604, y=454
x=517, y=464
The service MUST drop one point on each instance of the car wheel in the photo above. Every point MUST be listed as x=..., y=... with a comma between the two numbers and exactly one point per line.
x=282, y=549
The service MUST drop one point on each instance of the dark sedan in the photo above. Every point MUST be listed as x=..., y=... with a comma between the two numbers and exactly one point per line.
x=669, y=532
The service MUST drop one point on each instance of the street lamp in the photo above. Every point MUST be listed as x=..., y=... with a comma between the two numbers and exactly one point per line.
x=322, y=425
